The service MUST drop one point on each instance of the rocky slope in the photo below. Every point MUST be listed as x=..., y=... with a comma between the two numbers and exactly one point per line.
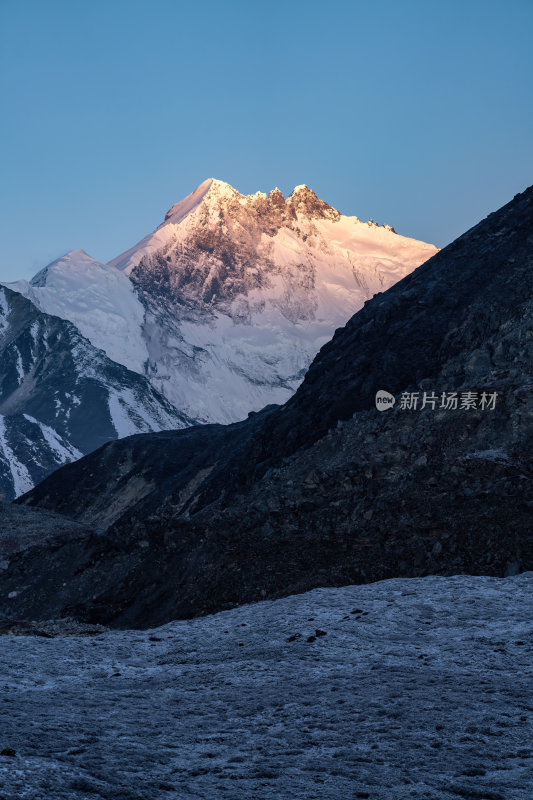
x=22, y=527
x=60, y=397
x=325, y=490
x=225, y=305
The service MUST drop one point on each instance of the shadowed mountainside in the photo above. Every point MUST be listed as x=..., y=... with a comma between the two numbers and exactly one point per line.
x=324, y=490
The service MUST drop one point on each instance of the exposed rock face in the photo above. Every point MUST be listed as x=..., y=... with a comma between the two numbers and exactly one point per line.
x=60, y=397
x=224, y=254
x=230, y=246
x=325, y=490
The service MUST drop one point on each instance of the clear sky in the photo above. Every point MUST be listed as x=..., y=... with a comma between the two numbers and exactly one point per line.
x=415, y=113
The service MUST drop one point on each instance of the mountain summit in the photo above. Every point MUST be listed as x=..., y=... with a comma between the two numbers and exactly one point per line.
x=214, y=201
x=98, y=300
x=240, y=292
x=224, y=305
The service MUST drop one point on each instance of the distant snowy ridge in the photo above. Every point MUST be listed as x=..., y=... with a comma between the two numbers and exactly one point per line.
x=29, y=450
x=100, y=301
x=60, y=397
x=226, y=303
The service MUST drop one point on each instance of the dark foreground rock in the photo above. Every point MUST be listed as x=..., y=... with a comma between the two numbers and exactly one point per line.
x=325, y=490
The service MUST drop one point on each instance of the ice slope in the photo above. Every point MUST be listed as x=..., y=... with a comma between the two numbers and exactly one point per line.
x=406, y=689
x=99, y=300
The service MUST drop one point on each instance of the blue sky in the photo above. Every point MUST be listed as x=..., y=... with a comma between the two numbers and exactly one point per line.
x=418, y=114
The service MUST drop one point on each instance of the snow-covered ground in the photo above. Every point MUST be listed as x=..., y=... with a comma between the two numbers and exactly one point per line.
x=416, y=689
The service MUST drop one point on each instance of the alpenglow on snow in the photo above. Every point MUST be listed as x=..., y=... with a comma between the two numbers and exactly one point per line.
x=223, y=307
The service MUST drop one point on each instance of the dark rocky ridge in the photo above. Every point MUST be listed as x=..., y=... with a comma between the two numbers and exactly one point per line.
x=428, y=323
x=139, y=473
x=324, y=490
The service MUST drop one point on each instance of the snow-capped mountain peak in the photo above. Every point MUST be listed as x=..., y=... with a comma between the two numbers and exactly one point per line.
x=215, y=209
x=184, y=207
x=215, y=200
x=240, y=291
x=304, y=201
x=224, y=305
x=207, y=196
x=96, y=298
x=76, y=259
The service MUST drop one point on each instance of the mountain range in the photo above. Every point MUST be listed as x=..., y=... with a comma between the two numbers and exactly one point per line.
x=325, y=490
x=61, y=397
x=214, y=315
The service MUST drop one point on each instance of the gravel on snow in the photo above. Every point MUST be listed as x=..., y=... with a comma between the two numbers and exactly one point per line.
x=406, y=688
